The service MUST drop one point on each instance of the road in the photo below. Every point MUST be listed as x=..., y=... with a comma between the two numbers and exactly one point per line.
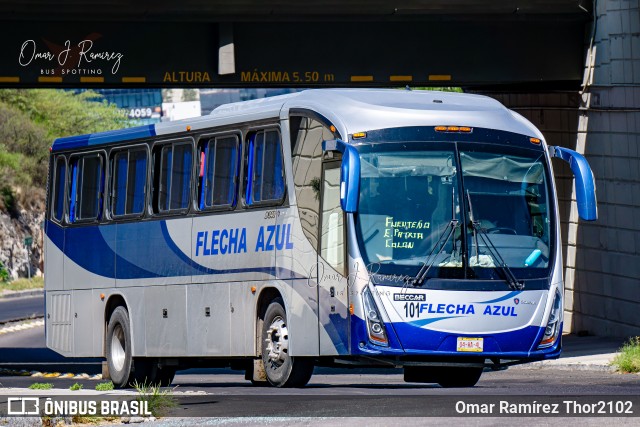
x=332, y=394
x=21, y=308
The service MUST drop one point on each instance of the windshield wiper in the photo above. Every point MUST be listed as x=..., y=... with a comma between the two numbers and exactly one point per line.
x=479, y=231
x=442, y=242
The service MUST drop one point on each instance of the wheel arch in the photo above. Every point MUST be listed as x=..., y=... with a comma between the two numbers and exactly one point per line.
x=114, y=301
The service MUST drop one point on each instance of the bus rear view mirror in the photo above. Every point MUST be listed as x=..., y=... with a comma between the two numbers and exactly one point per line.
x=585, y=182
x=349, y=173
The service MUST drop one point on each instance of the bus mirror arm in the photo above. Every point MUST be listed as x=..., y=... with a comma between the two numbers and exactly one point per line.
x=349, y=173
x=585, y=182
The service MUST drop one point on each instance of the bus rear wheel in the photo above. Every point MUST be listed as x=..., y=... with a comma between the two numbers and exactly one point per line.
x=149, y=371
x=118, y=345
x=282, y=370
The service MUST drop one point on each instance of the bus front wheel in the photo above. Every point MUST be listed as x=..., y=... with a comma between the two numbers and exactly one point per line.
x=118, y=346
x=445, y=376
x=282, y=370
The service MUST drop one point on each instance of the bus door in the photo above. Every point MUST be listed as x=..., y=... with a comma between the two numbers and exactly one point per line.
x=333, y=298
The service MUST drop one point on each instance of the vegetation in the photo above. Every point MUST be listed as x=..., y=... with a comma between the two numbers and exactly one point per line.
x=21, y=284
x=41, y=386
x=76, y=387
x=4, y=273
x=629, y=358
x=30, y=119
x=104, y=386
x=159, y=402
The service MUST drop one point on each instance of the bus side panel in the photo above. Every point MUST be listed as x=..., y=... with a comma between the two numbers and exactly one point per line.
x=59, y=326
x=233, y=247
x=54, y=254
x=296, y=267
x=153, y=252
x=89, y=257
x=208, y=321
x=166, y=321
x=82, y=315
x=242, y=318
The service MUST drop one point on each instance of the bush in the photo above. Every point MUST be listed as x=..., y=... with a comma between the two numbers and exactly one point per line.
x=4, y=273
x=629, y=358
x=159, y=402
x=104, y=386
x=41, y=386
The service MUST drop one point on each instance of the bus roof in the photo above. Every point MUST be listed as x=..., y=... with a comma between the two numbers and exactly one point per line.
x=350, y=110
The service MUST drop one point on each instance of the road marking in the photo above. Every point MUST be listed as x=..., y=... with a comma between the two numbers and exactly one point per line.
x=7, y=79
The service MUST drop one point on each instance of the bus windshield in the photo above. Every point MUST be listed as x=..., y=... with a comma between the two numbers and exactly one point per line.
x=412, y=195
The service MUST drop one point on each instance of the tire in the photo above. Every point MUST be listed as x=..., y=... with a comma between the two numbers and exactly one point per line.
x=444, y=376
x=164, y=376
x=459, y=377
x=147, y=371
x=119, y=358
x=282, y=369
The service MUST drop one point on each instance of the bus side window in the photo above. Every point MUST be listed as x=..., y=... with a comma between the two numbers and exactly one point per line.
x=219, y=172
x=129, y=182
x=87, y=185
x=59, y=184
x=174, y=180
x=265, y=171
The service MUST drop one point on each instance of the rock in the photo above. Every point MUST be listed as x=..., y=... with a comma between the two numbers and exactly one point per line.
x=23, y=421
x=136, y=420
x=16, y=258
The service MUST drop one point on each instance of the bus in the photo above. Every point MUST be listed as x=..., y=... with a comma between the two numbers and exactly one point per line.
x=348, y=227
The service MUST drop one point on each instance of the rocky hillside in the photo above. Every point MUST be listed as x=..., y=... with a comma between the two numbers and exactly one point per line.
x=24, y=218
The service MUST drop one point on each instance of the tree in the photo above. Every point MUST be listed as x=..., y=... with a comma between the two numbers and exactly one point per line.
x=31, y=119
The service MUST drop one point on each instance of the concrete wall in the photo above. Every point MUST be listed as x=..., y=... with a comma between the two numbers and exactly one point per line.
x=602, y=258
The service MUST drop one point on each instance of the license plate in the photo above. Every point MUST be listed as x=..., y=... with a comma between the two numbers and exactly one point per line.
x=470, y=344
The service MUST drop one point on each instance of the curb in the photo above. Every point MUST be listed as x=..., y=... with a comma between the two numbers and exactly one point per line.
x=576, y=366
x=25, y=293
x=20, y=325
x=49, y=375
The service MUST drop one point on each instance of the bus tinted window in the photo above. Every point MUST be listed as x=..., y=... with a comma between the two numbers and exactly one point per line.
x=58, y=188
x=175, y=176
x=265, y=168
x=129, y=181
x=219, y=172
x=87, y=177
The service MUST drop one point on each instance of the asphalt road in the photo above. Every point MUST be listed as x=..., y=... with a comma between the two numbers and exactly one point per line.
x=21, y=308
x=331, y=394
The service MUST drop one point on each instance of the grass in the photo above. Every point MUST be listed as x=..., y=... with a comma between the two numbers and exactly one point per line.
x=76, y=387
x=90, y=419
x=22, y=284
x=41, y=386
x=104, y=386
x=159, y=402
x=629, y=358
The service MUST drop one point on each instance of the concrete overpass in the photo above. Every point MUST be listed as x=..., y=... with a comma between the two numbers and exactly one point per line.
x=571, y=67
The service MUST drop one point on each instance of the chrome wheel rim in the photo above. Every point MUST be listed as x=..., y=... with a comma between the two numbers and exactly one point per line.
x=118, y=346
x=277, y=340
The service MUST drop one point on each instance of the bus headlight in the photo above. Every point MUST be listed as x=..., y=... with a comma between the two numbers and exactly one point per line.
x=375, y=327
x=553, y=325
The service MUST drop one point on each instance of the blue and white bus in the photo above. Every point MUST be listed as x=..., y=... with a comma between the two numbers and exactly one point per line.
x=409, y=229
